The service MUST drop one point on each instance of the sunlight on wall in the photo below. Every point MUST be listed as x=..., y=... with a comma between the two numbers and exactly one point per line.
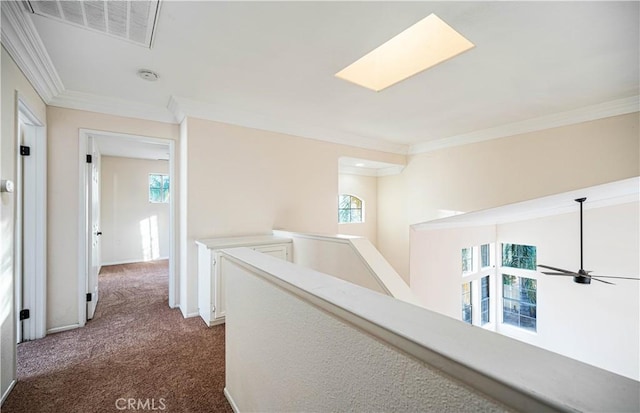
x=149, y=237
x=6, y=277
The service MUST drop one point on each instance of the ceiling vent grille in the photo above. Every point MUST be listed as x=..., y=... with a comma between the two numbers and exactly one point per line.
x=133, y=21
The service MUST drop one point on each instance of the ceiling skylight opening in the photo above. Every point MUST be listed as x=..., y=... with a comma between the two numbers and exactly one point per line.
x=425, y=44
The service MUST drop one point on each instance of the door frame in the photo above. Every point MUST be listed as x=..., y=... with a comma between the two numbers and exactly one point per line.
x=31, y=245
x=84, y=228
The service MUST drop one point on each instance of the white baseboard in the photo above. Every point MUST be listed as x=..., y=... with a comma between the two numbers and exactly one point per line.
x=63, y=328
x=11, y=386
x=190, y=315
x=233, y=404
x=132, y=261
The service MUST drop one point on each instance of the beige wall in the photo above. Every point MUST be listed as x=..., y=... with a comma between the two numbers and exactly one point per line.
x=503, y=171
x=133, y=229
x=12, y=81
x=63, y=198
x=249, y=181
x=365, y=188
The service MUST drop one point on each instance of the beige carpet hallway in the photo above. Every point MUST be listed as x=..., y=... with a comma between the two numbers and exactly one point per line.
x=135, y=350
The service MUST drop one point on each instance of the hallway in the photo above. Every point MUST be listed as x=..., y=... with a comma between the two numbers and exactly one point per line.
x=135, y=350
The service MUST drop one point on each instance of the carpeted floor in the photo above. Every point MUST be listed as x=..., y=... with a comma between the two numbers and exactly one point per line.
x=135, y=350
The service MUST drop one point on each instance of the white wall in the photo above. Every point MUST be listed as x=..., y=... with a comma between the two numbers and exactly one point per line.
x=63, y=200
x=503, y=171
x=245, y=181
x=598, y=324
x=133, y=229
x=365, y=188
x=297, y=357
x=299, y=340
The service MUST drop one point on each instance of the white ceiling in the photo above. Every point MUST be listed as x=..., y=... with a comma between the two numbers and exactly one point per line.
x=113, y=145
x=271, y=65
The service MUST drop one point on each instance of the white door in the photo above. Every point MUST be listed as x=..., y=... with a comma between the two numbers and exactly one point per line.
x=94, y=225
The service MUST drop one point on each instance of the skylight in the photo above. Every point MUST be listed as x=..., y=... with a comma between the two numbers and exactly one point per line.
x=420, y=47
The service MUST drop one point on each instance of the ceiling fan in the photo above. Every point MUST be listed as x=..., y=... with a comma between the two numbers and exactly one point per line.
x=582, y=276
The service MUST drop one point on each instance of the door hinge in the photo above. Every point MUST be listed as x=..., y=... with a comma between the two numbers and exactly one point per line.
x=24, y=314
x=89, y=158
x=89, y=298
x=25, y=150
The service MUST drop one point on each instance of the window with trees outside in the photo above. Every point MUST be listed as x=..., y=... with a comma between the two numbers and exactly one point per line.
x=519, y=287
x=350, y=209
x=519, y=301
x=158, y=188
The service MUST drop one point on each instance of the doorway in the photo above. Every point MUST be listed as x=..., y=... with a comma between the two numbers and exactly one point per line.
x=101, y=146
x=30, y=225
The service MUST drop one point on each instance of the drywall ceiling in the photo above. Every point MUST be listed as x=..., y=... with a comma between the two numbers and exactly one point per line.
x=271, y=65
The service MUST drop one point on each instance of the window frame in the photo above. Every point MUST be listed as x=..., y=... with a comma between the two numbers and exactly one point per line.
x=165, y=193
x=520, y=273
x=474, y=277
x=351, y=209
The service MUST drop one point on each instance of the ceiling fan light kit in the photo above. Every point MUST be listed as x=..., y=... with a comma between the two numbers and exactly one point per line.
x=581, y=276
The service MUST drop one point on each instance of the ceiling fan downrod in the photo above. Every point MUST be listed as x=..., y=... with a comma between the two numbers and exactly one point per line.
x=584, y=277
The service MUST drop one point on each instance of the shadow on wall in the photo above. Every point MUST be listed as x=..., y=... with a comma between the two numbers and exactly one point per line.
x=150, y=241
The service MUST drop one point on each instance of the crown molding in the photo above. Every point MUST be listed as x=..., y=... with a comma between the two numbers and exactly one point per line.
x=585, y=114
x=352, y=170
x=20, y=38
x=182, y=107
x=112, y=106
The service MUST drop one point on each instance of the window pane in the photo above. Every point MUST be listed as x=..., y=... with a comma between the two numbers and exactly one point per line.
x=467, y=313
x=345, y=202
x=484, y=287
x=356, y=215
x=519, y=301
x=344, y=215
x=155, y=181
x=467, y=260
x=154, y=195
x=485, y=252
x=519, y=256
x=355, y=202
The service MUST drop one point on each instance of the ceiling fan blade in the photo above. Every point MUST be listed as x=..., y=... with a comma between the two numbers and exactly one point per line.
x=602, y=281
x=620, y=278
x=556, y=269
x=559, y=273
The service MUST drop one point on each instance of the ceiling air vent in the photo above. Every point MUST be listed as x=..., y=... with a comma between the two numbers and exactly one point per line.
x=133, y=21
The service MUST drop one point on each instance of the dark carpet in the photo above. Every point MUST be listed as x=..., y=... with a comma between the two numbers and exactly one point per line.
x=136, y=354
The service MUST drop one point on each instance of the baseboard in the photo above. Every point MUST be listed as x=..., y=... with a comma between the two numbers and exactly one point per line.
x=133, y=261
x=190, y=315
x=12, y=385
x=233, y=404
x=63, y=328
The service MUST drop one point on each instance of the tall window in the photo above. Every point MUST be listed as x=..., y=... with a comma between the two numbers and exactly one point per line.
x=485, y=255
x=477, y=268
x=519, y=295
x=467, y=260
x=158, y=188
x=467, y=306
x=484, y=300
x=350, y=209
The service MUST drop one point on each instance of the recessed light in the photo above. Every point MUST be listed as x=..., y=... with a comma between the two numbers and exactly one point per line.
x=423, y=45
x=360, y=164
x=149, y=75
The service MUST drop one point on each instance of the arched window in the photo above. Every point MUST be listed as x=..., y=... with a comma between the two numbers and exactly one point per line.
x=350, y=209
